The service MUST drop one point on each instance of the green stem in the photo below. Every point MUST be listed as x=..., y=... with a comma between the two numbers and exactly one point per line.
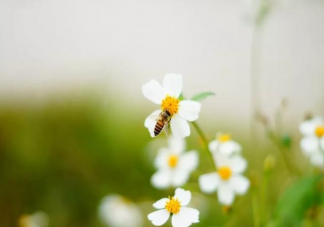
x=204, y=141
x=255, y=209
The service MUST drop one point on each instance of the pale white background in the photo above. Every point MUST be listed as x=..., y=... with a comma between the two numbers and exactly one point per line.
x=56, y=46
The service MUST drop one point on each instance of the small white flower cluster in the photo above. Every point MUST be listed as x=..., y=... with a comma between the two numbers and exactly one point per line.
x=312, y=143
x=228, y=180
x=175, y=166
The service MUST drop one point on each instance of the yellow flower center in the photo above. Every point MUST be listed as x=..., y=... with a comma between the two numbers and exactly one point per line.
x=224, y=138
x=173, y=161
x=173, y=205
x=319, y=131
x=225, y=172
x=170, y=104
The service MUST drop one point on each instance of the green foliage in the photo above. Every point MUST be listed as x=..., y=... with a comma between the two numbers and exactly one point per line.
x=201, y=96
x=286, y=141
x=297, y=200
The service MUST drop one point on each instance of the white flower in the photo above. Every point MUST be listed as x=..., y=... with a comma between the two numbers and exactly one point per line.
x=116, y=211
x=224, y=145
x=228, y=180
x=37, y=219
x=174, y=165
x=312, y=144
x=167, y=97
x=182, y=216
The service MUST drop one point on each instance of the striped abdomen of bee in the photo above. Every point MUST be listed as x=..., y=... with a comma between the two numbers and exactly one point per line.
x=158, y=127
x=162, y=121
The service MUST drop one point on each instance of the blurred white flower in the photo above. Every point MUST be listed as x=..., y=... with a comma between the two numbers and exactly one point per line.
x=224, y=145
x=312, y=144
x=116, y=211
x=173, y=164
x=167, y=96
x=182, y=216
x=228, y=180
x=37, y=219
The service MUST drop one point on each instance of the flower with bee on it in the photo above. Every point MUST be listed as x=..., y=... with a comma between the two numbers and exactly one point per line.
x=172, y=111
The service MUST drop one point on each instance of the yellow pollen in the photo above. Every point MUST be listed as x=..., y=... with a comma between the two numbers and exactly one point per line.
x=170, y=104
x=319, y=131
x=173, y=205
x=224, y=138
x=225, y=172
x=173, y=161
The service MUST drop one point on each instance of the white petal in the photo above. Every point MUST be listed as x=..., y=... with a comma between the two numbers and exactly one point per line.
x=161, y=179
x=221, y=159
x=208, y=182
x=322, y=144
x=185, y=217
x=189, y=110
x=180, y=127
x=150, y=121
x=161, y=160
x=176, y=144
x=240, y=184
x=317, y=159
x=153, y=91
x=225, y=193
x=307, y=128
x=179, y=177
x=160, y=203
x=188, y=161
x=172, y=85
x=183, y=196
x=230, y=147
x=309, y=144
x=159, y=217
x=213, y=146
x=237, y=164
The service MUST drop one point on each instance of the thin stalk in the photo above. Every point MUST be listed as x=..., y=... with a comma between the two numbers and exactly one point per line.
x=204, y=141
x=283, y=155
x=255, y=208
x=264, y=192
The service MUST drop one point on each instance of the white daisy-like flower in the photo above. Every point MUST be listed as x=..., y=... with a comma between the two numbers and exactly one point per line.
x=182, y=216
x=228, y=180
x=224, y=144
x=37, y=219
x=312, y=144
x=174, y=165
x=167, y=97
x=117, y=211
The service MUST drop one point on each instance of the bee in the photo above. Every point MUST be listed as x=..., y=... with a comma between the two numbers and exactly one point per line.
x=162, y=122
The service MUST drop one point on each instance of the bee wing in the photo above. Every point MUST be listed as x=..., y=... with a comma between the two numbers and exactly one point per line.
x=150, y=121
x=166, y=128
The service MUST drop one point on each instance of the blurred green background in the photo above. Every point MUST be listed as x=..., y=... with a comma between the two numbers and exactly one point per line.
x=64, y=156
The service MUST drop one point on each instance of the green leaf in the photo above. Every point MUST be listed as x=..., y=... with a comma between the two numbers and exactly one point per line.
x=297, y=200
x=201, y=96
x=181, y=97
